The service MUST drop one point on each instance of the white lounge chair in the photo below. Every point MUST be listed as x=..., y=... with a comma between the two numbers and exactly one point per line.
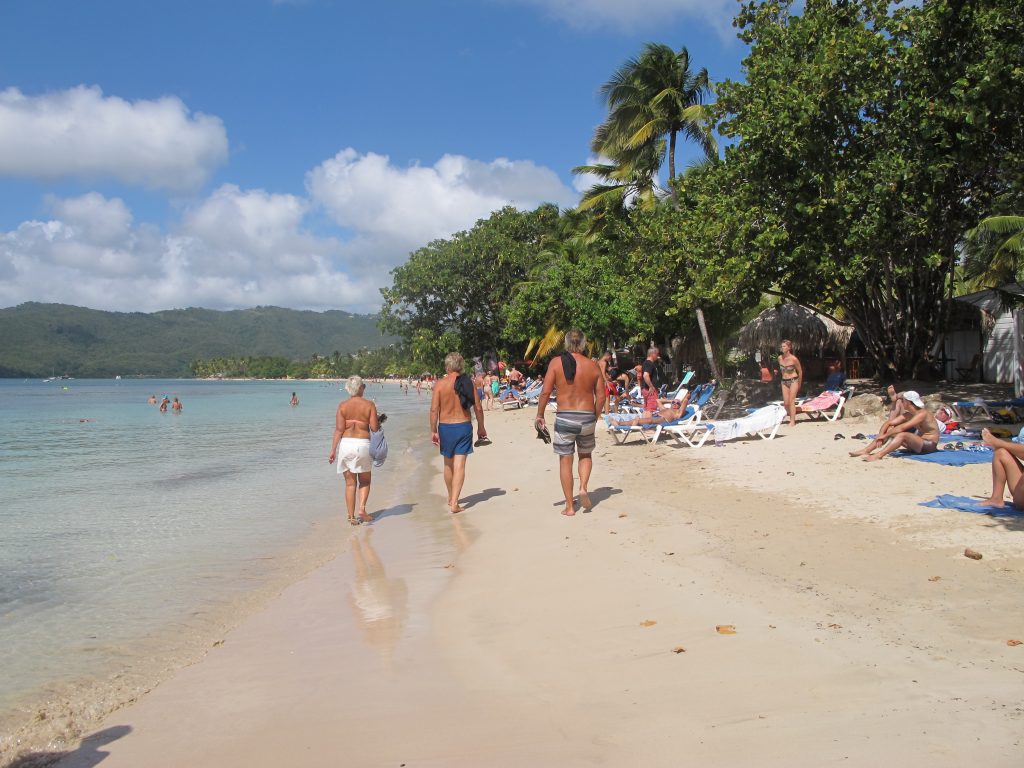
x=764, y=422
x=828, y=405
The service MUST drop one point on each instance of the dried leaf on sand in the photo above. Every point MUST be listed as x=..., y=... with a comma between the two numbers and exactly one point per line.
x=1013, y=642
x=648, y=623
x=725, y=629
x=679, y=649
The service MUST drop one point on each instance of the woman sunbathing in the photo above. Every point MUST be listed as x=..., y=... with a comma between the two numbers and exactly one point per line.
x=1007, y=470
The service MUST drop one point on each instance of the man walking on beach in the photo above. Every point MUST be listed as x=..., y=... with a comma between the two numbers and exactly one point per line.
x=451, y=426
x=580, y=401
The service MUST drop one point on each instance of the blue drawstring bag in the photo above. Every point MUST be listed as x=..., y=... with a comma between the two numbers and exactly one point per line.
x=378, y=447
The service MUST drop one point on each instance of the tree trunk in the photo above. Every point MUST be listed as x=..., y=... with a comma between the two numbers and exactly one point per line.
x=672, y=167
x=707, y=345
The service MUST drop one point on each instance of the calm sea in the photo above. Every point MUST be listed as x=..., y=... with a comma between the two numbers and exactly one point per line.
x=121, y=526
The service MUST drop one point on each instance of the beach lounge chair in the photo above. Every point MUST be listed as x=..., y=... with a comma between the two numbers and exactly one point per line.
x=828, y=405
x=693, y=414
x=699, y=397
x=967, y=410
x=764, y=423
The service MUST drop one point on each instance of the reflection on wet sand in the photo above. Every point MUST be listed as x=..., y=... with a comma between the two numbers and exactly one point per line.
x=380, y=604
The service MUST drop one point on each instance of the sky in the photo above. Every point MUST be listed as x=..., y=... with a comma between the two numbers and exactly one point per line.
x=293, y=152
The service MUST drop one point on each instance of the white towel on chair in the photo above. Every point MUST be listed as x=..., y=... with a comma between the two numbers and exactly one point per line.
x=762, y=420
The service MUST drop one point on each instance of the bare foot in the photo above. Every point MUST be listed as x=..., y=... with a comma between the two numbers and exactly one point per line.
x=873, y=457
x=792, y=423
x=989, y=439
x=857, y=453
x=570, y=509
x=364, y=516
x=585, y=504
x=991, y=502
x=455, y=509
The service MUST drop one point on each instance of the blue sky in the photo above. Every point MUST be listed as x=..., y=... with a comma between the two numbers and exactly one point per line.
x=216, y=154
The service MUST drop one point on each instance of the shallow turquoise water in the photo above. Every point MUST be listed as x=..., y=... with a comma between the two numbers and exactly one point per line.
x=117, y=521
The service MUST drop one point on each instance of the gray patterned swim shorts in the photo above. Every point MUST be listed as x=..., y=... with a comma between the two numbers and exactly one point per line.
x=574, y=430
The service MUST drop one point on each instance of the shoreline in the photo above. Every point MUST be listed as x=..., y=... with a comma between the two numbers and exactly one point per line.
x=51, y=717
x=552, y=640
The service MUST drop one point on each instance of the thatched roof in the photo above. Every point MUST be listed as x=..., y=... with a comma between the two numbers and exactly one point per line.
x=805, y=328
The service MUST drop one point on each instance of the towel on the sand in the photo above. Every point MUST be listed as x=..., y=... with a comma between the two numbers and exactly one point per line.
x=968, y=504
x=958, y=458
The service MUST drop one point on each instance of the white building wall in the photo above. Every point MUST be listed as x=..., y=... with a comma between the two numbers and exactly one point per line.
x=1000, y=353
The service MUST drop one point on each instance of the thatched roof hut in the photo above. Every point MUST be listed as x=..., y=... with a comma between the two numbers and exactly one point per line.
x=807, y=329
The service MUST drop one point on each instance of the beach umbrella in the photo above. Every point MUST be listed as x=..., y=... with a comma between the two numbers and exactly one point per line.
x=807, y=329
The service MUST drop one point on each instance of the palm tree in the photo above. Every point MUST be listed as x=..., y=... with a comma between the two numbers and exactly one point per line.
x=994, y=252
x=650, y=98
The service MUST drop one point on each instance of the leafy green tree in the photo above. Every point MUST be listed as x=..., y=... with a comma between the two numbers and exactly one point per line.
x=451, y=293
x=867, y=141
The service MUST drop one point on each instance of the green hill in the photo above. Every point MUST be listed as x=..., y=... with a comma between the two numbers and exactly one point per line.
x=39, y=340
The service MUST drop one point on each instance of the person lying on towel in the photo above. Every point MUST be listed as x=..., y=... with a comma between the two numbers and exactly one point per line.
x=918, y=432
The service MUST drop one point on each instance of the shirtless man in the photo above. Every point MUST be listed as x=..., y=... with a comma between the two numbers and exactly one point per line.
x=919, y=433
x=580, y=402
x=897, y=414
x=1007, y=470
x=451, y=425
x=176, y=405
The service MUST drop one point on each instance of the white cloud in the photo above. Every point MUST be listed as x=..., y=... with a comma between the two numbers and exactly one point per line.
x=80, y=132
x=235, y=249
x=242, y=247
x=638, y=15
x=420, y=203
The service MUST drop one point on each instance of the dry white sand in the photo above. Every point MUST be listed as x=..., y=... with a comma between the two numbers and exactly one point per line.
x=862, y=634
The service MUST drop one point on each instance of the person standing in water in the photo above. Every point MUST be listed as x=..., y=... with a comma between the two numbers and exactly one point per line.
x=353, y=421
x=792, y=375
x=295, y=399
x=580, y=400
x=451, y=426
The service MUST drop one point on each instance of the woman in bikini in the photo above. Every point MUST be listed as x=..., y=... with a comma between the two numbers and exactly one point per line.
x=354, y=420
x=792, y=378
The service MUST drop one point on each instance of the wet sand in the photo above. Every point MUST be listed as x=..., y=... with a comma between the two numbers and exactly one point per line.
x=551, y=640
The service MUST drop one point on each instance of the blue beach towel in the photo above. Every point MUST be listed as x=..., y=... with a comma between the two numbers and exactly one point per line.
x=968, y=504
x=950, y=458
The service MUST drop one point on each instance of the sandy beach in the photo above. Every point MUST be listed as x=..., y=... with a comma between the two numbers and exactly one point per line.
x=512, y=635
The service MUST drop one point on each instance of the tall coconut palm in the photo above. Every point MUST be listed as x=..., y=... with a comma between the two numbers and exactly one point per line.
x=654, y=97
x=649, y=98
x=994, y=252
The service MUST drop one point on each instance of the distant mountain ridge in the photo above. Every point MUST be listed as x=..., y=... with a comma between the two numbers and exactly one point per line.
x=40, y=340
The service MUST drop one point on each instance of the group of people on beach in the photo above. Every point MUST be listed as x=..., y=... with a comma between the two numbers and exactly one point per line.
x=583, y=389
x=910, y=426
x=455, y=399
x=165, y=402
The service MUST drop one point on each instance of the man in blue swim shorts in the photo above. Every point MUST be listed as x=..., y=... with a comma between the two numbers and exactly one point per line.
x=451, y=424
x=581, y=396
